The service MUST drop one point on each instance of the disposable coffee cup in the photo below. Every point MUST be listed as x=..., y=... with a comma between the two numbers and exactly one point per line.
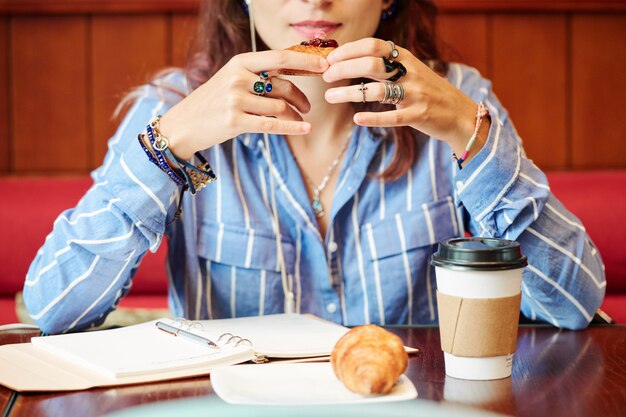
x=478, y=294
x=478, y=392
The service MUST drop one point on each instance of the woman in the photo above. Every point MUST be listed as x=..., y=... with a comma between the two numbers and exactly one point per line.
x=327, y=201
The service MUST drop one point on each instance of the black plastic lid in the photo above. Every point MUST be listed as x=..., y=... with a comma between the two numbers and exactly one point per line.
x=479, y=253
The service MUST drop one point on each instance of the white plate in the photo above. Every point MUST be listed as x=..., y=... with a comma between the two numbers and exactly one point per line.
x=294, y=383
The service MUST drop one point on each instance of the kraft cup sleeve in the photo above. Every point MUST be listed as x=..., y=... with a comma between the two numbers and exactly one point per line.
x=478, y=327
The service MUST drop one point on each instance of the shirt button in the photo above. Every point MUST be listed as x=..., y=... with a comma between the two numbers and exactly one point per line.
x=332, y=246
x=459, y=185
x=331, y=307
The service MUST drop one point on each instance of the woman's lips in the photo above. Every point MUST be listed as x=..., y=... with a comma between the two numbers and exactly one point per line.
x=311, y=28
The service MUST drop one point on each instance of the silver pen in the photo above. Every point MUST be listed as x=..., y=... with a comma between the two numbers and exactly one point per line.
x=186, y=334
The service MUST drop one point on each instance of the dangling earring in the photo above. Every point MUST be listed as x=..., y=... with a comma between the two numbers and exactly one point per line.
x=247, y=6
x=389, y=11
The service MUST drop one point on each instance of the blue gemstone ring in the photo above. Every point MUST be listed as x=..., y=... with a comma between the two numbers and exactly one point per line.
x=263, y=86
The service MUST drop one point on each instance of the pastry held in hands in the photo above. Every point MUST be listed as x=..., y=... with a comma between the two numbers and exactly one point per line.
x=369, y=360
x=316, y=46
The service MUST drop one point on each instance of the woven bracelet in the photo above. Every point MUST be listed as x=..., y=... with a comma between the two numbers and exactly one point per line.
x=481, y=113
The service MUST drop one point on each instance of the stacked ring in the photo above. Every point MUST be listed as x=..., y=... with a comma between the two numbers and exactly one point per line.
x=390, y=66
x=394, y=93
x=263, y=86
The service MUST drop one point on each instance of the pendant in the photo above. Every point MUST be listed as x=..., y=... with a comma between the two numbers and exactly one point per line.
x=318, y=209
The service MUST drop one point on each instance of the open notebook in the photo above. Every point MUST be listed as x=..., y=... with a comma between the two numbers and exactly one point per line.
x=144, y=353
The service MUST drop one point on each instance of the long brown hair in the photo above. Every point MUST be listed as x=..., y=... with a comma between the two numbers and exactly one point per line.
x=224, y=31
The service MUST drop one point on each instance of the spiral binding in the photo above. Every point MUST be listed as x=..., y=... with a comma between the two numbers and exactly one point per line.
x=187, y=324
x=225, y=338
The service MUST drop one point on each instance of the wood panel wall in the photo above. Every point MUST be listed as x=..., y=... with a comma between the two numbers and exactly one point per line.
x=560, y=74
x=558, y=66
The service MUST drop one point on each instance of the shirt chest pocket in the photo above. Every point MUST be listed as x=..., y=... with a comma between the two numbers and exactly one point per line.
x=410, y=233
x=242, y=268
x=244, y=248
x=397, y=253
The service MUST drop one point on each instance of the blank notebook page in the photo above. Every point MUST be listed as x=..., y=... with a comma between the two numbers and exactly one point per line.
x=137, y=350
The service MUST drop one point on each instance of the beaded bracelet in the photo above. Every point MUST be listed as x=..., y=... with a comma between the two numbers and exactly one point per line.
x=159, y=160
x=173, y=175
x=481, y=113
x=185, y=174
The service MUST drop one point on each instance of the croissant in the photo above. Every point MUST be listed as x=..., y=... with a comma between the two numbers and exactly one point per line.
x=369, y=360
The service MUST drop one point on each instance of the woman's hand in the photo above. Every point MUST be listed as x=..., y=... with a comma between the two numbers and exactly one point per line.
x=431, y=104
x=226, y=105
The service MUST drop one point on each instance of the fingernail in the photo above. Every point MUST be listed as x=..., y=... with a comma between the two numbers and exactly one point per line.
x=305, y=127
x=330, y=95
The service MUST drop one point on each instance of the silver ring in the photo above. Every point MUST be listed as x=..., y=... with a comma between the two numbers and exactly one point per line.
x=362, y=89
x=394, y=52
x=394, y=93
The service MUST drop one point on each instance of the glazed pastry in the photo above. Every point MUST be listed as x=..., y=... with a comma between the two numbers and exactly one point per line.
x=369, y=360
x=315, y=46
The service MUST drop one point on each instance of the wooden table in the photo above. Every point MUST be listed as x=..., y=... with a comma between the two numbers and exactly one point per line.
x=556, y=373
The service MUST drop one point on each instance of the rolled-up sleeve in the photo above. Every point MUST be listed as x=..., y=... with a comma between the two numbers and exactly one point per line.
x=505, y=195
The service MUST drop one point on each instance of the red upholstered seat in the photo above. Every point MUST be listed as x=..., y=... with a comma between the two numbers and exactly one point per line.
x=28, y=209
x=615, y=306
x=598, y=199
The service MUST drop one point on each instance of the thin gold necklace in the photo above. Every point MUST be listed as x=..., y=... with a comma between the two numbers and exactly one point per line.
x=316, y=204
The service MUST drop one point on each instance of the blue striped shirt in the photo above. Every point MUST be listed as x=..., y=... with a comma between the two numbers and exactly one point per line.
x=224, y=256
